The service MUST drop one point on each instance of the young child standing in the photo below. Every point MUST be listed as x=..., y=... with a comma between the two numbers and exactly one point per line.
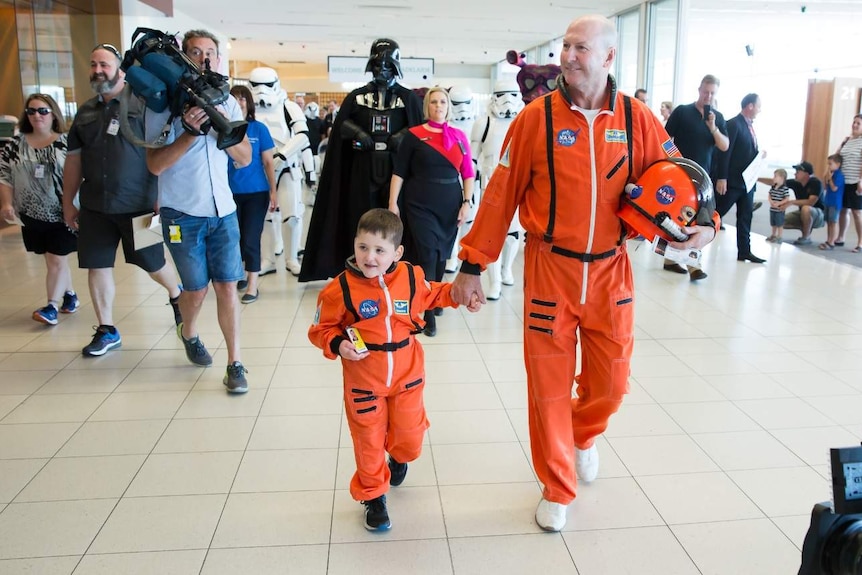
x=779, y=194
x=384, y=301
x=832, y=199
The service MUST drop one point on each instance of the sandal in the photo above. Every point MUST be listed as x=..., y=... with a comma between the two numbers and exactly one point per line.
x=826, y=246
x=839, y=244
x=857, y=249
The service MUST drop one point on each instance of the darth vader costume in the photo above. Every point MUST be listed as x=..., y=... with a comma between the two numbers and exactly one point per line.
x=359, y=157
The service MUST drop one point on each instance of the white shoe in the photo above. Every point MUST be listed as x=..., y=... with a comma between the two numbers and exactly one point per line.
x=587, y=463
x=551, y=516
x=292, y=266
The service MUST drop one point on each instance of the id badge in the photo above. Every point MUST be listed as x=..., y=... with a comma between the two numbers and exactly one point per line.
x=113, y=127
x=39, y=171
x=174, y=234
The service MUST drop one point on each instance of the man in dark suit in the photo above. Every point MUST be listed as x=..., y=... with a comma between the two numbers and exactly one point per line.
x=730, y=186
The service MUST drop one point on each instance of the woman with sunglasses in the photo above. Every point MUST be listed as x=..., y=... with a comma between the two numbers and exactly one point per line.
x=31, y=186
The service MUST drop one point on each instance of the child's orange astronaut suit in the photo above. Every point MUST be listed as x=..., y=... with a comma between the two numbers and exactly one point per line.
x=382, y=392
x=577, y=275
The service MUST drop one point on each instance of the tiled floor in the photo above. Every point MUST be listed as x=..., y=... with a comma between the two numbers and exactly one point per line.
x=139, y=463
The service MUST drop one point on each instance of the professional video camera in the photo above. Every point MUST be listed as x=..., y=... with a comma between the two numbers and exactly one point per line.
x=833, y=544
x=168, y=79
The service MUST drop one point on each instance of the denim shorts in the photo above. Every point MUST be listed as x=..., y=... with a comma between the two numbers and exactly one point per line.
x=832, y=213
x=776, y=219
x=203, y=249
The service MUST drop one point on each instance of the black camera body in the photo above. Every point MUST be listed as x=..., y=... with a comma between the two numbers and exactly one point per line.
x=160, y=73
x=833, y=543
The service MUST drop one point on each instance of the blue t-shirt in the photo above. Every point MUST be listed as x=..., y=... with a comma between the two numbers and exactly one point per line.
x=831, y=198
x=252, y=178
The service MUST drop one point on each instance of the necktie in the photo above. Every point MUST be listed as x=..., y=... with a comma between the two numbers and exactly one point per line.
x=753, y=136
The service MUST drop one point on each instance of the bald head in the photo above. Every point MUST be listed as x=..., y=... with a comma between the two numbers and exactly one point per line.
x=599, y=28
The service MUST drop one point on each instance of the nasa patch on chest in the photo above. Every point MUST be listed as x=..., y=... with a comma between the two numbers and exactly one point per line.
x=401, y=307
x=369, y=308
x=567, y=137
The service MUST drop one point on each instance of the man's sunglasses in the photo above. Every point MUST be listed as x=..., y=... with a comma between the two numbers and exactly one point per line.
x=110, y=48
x=40, y=111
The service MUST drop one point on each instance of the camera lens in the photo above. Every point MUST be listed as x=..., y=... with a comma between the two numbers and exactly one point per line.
x=842, y=554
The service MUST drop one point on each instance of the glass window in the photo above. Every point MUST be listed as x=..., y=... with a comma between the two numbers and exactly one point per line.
x=628, y=30
x=659, y=73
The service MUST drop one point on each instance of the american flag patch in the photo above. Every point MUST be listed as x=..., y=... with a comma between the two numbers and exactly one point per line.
x=670, y=149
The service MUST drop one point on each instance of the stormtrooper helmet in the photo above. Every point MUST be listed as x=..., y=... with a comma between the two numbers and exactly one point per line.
x=461, y=102
x=312, y=110
x=506, y=101
x=265, y=87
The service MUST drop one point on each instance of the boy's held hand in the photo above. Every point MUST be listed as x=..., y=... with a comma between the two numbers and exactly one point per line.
x=347, y=350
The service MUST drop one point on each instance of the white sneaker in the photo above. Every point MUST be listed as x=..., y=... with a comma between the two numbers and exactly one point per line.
x=551, y=516
x=587, y=463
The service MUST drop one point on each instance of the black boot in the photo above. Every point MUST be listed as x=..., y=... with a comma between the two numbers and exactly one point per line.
x=430, y=324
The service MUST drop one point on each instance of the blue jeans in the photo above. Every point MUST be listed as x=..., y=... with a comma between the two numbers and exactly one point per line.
x=203, y=249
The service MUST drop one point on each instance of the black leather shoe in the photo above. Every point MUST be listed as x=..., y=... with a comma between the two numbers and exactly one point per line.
x=430, y=324
x=675, y=268
x=697, y=275
x=752, y=258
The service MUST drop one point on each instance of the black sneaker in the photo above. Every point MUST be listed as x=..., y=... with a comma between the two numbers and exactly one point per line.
x=195, y=350
x=398, y=472
x=234, y=378
x=376, y=515
x=175, y=305
x=105, y=339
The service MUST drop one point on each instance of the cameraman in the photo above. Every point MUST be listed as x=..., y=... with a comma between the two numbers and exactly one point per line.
x=198, y=213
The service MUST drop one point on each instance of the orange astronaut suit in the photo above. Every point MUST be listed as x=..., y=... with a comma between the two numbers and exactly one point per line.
x=577, y=275
x=383, y=391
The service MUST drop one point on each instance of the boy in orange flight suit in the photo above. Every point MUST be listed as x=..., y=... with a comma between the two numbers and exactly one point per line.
x=384, y=301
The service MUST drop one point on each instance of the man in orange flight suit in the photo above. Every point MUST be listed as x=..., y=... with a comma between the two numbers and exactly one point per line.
x=577, y=275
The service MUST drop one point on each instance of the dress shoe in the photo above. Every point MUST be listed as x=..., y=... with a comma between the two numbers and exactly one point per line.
x=430, y=324
x=756, y=206
x=750, y=257
x=675, y=268
x=697, y=275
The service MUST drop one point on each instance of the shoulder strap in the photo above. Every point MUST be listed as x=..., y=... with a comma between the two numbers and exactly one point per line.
x=411, y=275
x=549, y=142
x=627, y=105
x=345, y=293
x=487, y=127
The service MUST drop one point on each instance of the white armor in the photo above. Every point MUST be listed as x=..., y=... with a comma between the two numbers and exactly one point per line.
x=486, y=143
x=463, y=107
x=293, y=162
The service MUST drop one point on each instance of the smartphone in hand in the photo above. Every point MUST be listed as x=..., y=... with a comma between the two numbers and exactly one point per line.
x=706, y=110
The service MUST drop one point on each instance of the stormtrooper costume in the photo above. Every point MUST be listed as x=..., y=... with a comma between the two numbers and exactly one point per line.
x=463, y=117
x=486, y=142
x=293, y=163
x=315, y=127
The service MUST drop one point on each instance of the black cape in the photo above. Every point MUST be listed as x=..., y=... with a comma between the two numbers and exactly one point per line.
x=333, y=221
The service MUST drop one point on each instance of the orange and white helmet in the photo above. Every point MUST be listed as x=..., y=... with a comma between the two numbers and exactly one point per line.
x=669, y=195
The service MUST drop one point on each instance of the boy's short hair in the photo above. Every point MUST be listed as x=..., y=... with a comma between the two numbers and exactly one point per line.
x=837, y=158
x=383, y=222
x=781, y=172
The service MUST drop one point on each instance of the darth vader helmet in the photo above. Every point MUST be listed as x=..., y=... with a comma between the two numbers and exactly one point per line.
x=384, y=62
